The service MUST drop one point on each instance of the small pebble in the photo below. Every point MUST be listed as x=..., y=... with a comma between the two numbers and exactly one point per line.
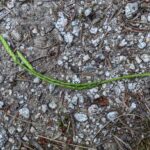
x=145, y=58
x=93, y=30
x=148, y=18
x=3, y=136
x=143, y=19
x=36, y=80
x=81, y=117
x=68, y=37
x=24, y=112
x=132, y=107
x=86, y=58
x=123, y=43
x=52, y=105
x=1, y=104
x=93, y=109
x=1, y=79
x=142, y=45
x=112, y=115
x=44, y=108
x=131, y=9
x=16, y=35
x=88, y=11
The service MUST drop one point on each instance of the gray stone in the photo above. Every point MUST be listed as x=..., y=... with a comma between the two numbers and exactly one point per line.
x=24, y=112
x=94, y=30
x=68, y=38
x=88, y=11
x=16, y=35
x=131, y=9
x=81, y=117
x=61, y=22
x=1, y=104
x=44, y=108
x=36, y=80
x=148, y=17
x=1, y=79
x=142, y=45
x=145, y=58
x=123, y=43
x=51, y=88
x=3, y=136
x=52, y=105
x=93, y=109
x=112, y=115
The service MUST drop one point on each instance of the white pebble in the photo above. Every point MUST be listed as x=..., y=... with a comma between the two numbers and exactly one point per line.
x=112, y=115
x=88, y=11
x=36, y=80
x=86, y=58
x=93, y=30
x=52, y=105
x=61, y=22
x=123, y=43
x=68, y=37
x=44, y=108
x=138, y=60
x=145, y=58
x=24, y=112
x=131, y=9
x=1, y=104
x=148, y=17
x=81, y=117
x=1, y=79
x=142, y=45
x=93, y=109
x=132, y=107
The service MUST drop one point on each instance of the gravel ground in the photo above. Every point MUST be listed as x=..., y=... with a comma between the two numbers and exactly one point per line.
x=77, y=41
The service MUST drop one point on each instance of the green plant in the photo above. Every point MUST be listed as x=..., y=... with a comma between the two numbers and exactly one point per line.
x=20, y=60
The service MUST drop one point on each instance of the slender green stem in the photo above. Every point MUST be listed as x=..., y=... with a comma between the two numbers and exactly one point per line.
x=20, y=60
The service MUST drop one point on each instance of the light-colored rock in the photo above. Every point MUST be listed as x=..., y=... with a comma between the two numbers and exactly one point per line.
x=86, y=58
x=81, y=117
x=94, y=30
x=131, y=86
x=88, y=11
x=51, y=88
x=112, y=115
x=145, y=58
x=123, y=43
x=68, y=37
x=96, y=41
x=93, y=109
x=3, y=136
x=143, y=19
x=141, y=44
x=75, y=79
x=1, y=79
x=16, y=35
x=61, y=22
x=148, y=17
x=36, y=80
x=44, y=108
x=132, y=107
x=1, y=104
x=24, y=112
x=138, y=60
x=74, y=100
x=131, y=9
x=52, y=105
